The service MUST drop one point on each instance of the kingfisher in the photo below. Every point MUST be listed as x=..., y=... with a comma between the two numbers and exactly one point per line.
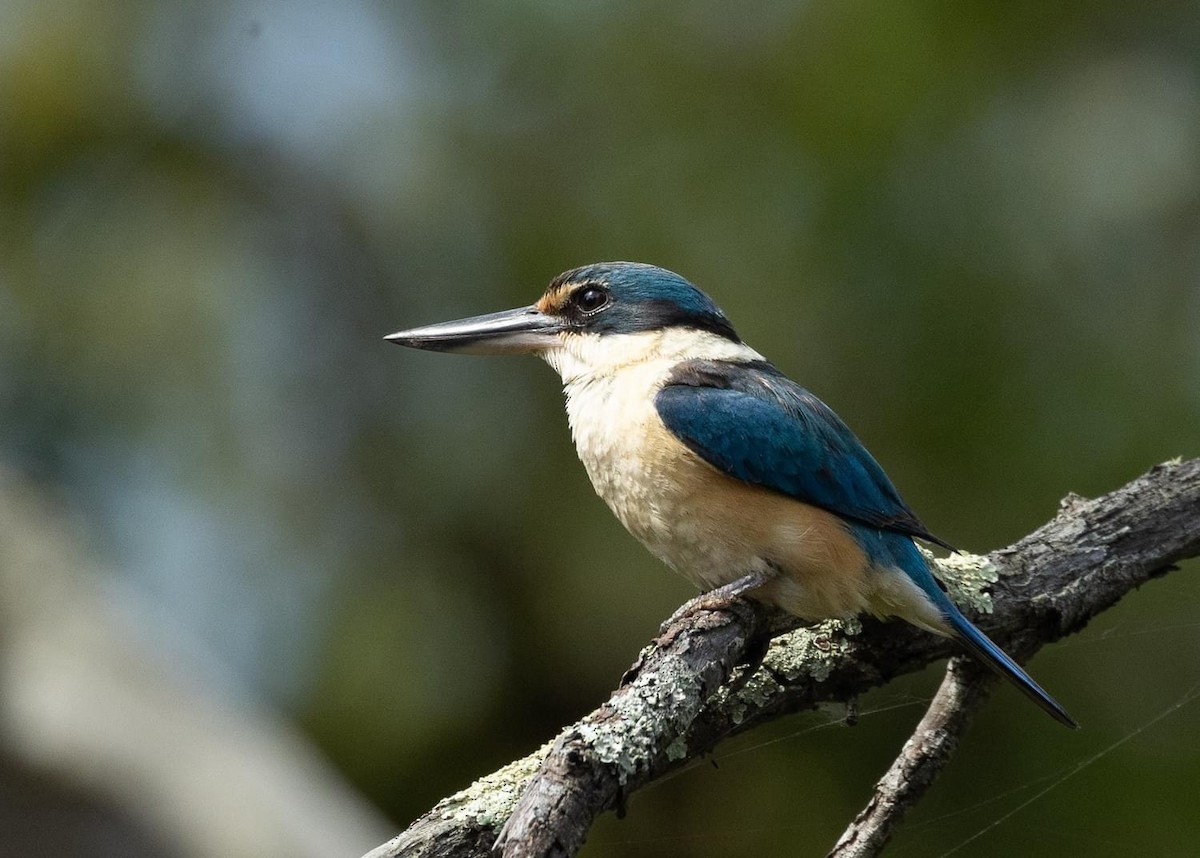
x=728, y=471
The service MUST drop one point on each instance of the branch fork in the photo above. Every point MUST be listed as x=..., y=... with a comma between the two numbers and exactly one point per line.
x=676, y=702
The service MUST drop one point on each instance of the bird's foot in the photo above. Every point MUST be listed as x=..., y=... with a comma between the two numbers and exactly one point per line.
x=721, y=598
x=715, y=600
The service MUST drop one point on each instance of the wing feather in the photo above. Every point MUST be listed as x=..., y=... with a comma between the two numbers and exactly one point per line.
x=750, y=421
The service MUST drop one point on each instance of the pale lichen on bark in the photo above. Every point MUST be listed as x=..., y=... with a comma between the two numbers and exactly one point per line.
x=654, y=704
x=968, y=578
x=491, y=799
x=811, y=652
x=678, y=703
x=804, y=653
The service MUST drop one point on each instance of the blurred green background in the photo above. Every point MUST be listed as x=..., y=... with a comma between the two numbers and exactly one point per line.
x=972, y=228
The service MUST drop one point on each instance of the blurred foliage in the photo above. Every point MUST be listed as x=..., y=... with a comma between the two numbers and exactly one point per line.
x=972, y=228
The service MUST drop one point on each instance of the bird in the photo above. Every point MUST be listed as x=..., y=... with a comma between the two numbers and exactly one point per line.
x=727, y=470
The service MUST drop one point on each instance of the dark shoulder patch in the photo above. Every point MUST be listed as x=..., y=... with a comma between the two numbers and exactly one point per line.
x=722, y=374
x=749, y=420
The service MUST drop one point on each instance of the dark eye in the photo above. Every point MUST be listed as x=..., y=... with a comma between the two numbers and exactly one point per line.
x=589, y=299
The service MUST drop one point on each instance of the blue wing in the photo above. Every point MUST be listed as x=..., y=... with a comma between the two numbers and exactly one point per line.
x=754, y=423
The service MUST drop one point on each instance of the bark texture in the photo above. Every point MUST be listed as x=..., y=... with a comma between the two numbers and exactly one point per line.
x=677, y=701
x=933, y=742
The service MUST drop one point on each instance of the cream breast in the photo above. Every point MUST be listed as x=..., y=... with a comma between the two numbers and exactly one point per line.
x=708, y=526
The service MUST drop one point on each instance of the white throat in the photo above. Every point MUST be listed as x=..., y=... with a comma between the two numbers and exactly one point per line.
x=584, y=358
x=640, y=469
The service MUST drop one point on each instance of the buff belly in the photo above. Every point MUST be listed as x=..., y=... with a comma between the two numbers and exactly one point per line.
x=708, y=526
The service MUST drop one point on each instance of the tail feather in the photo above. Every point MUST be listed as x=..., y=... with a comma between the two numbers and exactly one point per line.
x=940, y=613
x=981, y=646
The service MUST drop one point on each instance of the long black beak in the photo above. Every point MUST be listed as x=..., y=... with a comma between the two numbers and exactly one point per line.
x=525, y=329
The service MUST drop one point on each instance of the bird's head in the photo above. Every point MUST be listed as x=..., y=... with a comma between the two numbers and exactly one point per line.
x=598, y=316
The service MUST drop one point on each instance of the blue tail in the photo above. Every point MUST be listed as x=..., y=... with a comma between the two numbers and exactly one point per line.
x=902, y=552
x=980, y=646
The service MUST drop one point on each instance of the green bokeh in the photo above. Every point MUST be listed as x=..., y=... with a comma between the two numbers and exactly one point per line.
x=971, y=228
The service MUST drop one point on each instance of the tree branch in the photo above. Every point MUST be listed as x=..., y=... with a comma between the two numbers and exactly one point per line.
x=676, y=703
x=963, y=690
